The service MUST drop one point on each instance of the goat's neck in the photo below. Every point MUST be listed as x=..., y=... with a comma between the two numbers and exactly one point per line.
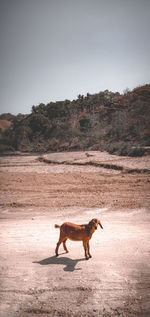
x=91, y=231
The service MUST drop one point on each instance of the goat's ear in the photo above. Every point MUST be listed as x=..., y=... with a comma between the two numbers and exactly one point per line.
x=100, y=224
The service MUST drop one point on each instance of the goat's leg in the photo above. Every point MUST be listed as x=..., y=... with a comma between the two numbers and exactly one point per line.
x=64, y=245
x=88, y=248
x=57, y=247
x=85, y=249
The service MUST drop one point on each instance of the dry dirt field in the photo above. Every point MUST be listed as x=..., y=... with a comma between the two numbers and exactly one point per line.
x=78, y=187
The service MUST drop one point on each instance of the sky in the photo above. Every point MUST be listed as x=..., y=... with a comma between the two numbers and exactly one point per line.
x=54, y=50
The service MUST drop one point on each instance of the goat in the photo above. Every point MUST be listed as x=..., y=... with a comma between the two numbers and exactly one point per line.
x=77, y=233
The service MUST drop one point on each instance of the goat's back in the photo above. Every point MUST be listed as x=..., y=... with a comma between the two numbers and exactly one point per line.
x=73, y=231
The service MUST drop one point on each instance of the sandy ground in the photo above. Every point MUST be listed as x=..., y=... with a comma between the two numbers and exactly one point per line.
x=35, y=196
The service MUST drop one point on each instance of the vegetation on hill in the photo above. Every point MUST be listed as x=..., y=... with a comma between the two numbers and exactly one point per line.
x=117, y=123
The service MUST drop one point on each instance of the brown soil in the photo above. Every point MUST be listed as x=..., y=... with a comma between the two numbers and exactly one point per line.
x=5, y=124
x=35, y=196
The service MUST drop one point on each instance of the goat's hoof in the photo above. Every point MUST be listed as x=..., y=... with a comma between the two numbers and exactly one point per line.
x=90, y=256
x=57, y=254
x=67, y=251
x=87, y=258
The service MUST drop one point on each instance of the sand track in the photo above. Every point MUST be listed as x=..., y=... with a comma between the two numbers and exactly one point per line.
x=35, y=196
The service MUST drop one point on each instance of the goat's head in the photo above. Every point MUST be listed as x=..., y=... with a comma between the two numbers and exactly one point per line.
x=94, y=223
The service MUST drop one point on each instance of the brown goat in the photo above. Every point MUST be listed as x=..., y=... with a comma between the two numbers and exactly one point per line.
x=77, y=233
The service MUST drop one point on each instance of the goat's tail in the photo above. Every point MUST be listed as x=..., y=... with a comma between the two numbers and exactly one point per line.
x=57, y=226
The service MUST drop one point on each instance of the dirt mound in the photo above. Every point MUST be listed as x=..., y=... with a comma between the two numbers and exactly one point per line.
x=5, y=124
x=100, y=159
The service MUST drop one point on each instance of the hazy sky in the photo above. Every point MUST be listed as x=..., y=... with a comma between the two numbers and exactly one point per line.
x=56, y=49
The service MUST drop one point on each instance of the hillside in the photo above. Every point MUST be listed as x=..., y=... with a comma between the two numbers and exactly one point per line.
x=104, y=121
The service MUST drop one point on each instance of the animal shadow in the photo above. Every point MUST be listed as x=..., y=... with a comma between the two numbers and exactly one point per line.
x=69, y=263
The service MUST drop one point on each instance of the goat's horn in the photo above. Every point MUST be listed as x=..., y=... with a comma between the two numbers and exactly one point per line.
x=100, y=224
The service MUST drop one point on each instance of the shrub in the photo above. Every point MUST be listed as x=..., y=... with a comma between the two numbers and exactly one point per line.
x=38, y=122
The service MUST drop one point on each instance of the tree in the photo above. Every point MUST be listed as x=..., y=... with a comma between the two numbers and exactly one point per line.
x=38, y=122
